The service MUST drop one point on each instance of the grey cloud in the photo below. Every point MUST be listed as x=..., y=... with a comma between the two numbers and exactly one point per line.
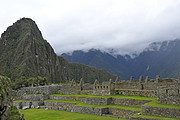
x=125, y=25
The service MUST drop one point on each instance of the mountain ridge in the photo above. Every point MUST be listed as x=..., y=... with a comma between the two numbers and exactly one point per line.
x=26, y=53
x=157, y=58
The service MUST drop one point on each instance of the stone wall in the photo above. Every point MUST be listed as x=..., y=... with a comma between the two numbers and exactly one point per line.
x=129, y=102
x=142, y=85
x=138, y=118
x=104, y=92
x=159, y=111
x=61, y=105
x=98, y=101
x=68, y=98
x=20, y=105
x=128, y=85
x=34, y=97
x=121, y=113
x=146, y=93
x=90, y=110
x=169, y=94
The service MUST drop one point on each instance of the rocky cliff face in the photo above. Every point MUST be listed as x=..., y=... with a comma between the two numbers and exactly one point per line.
x=26, y=53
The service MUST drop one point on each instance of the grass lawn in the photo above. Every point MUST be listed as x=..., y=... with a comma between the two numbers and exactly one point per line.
x=41, y=114
x=155, y=117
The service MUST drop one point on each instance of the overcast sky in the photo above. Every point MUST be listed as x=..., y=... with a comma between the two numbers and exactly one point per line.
x=127, y=25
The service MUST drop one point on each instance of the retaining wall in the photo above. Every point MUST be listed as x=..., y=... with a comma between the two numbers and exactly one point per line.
x=146, y=93
x=159, y=111
x=121, y=113
x=27, y=103
x=60, y=105
x=90, y=110
x=35, y=97
x=138, y=118
x=129, y=102
x=98, y=101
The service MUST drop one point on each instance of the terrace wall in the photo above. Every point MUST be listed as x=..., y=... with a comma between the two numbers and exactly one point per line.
x=159, y=111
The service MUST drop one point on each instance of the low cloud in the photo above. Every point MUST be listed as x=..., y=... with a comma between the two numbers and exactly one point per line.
x=126, y=25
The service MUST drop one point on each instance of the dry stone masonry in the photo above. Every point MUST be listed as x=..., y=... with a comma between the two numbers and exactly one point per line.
x=166, y=90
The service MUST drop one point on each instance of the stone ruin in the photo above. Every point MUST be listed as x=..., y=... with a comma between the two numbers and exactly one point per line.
x=167, y=91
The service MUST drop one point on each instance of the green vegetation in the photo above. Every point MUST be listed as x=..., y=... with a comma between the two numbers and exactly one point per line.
x=155, y=103
x=154, y=117
x=25, y=101
x=41, y=114
x=66, y=101
x=32, y=81
x=15, y=115
x=113, y=96
x=79, y=103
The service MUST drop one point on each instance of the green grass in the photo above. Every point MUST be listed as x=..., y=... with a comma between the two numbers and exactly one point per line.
x=65, y=101
x=41, y=114
x=113, y=96
x=79, y=103
x=15, y=115
x=155, y=117
x=155, y=103
x=112, y=106
x=25, y=101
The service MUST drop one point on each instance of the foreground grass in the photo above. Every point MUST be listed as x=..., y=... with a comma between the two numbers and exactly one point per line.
x=155, y=117
x=41, y=114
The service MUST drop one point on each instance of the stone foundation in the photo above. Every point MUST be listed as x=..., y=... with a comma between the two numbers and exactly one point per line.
x=34, y=97
x=159, y=111
x=60, y=105
x=129, y=102
x=20, y=105
x=121, y=113
x=90, y=110
x=137, y=118
x=146, y=93
x=98, y=101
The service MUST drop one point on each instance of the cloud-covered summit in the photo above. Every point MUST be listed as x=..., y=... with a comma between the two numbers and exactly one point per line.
x=126, y=25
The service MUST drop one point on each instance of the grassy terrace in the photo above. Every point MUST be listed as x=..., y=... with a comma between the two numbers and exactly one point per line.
x=155, y=103
x=79, y=103
x=41, y=114
x=25, y=101
x=113, y=96
x=154, y=117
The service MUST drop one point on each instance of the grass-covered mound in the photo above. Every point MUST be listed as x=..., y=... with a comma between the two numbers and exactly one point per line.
x=41, y=114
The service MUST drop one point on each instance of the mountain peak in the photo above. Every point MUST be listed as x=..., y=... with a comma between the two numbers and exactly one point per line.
x=24, y=26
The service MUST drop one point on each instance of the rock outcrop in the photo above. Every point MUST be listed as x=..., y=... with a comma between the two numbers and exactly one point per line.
x=24, y=52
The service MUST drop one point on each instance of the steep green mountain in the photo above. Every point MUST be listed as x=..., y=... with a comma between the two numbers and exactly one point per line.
x=161, y=58
x=101, y=60
x=24, y=52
